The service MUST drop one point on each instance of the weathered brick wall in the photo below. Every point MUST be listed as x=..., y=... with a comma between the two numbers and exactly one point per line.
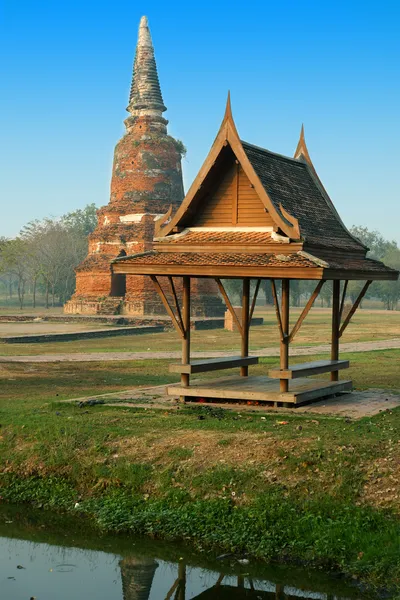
x=93, y=283
x=146, y=180
x=141, y=297
x=146, y=170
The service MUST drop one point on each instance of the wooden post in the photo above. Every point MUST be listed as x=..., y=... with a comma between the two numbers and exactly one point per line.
x=279, y=591
x=335, y=326
x=186, y=328
x=182, y=581
x=284, y=383
x=244, y=371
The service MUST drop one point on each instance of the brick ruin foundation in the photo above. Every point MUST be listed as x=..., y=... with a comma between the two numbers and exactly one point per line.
x=146, y=181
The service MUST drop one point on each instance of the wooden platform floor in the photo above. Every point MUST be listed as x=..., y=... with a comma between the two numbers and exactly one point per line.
x=259, y=389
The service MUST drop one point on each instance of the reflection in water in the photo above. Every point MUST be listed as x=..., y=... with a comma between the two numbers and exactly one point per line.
x=137, y=577
x=72, y=564
x=137, y=584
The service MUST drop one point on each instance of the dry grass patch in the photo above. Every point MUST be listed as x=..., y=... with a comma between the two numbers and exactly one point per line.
x=205, y=449
x=382, y=489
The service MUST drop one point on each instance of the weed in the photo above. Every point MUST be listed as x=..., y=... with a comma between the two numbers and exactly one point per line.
x=224, y=442
x=180, y=453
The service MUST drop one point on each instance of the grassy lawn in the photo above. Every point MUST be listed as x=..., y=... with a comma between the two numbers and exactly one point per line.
x=321, y=490
x=32, y=382
x=365, y=326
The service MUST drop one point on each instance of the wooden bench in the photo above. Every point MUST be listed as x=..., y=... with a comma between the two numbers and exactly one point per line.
x=311, y=368
x=214, y=364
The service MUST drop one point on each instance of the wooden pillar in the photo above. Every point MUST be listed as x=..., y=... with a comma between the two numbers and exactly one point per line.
x=244, y=371
x=284, y=383
x=335, y=326
x=186, y=327
x=279, y=591
x=182, y=581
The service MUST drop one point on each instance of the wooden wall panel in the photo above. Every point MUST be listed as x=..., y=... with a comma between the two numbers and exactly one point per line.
x=233, y=202
x=215, y=210
x=251, y=211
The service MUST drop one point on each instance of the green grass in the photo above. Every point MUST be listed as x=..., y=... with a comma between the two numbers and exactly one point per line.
x=180, y=453
x=365, y=326
x=57, y=381
x=320, y=490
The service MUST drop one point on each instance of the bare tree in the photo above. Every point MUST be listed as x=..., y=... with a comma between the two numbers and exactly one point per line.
x=14, y=263
x=57, y=246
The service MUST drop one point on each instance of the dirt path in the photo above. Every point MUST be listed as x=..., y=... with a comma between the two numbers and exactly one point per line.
x=110, y=356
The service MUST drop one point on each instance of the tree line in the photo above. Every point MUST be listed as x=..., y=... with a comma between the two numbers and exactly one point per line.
x=42, y=259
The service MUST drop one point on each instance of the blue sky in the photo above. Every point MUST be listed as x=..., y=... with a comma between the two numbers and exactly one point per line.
x=66, y=68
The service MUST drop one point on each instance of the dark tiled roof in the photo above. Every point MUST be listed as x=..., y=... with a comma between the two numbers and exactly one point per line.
x=289, y=182
x=367, y=265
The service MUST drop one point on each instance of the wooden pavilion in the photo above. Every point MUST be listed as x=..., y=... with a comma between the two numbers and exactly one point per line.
x=254, y=214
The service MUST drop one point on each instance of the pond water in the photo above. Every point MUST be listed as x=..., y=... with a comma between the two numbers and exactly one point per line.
x=48, y=557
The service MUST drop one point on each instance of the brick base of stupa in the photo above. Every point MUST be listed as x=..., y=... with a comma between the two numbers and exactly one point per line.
x=140, y=298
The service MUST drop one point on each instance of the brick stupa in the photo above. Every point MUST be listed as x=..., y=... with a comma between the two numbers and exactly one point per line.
x=146, y=182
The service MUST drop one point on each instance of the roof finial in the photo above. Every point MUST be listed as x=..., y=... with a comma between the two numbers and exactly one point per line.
x=301, y=150
x=228, y=108
x=145, y=96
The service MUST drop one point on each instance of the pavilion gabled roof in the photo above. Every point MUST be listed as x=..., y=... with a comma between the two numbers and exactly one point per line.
x=285, y=226
x=227, y=139
x=288, y=187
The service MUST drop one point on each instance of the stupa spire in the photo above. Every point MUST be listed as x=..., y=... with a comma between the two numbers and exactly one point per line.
x=145, y=97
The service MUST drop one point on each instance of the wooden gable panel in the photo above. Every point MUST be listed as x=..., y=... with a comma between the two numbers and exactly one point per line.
x=215, y=209
x=232, y=201
x=250, y=209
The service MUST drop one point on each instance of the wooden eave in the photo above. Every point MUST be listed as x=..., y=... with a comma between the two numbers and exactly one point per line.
x=228, y=135
x=350, y=275
x=224, y=271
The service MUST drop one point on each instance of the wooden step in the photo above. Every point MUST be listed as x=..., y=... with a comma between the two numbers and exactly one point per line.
x=259, y=388
x=310, y=368
x=214, y=364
